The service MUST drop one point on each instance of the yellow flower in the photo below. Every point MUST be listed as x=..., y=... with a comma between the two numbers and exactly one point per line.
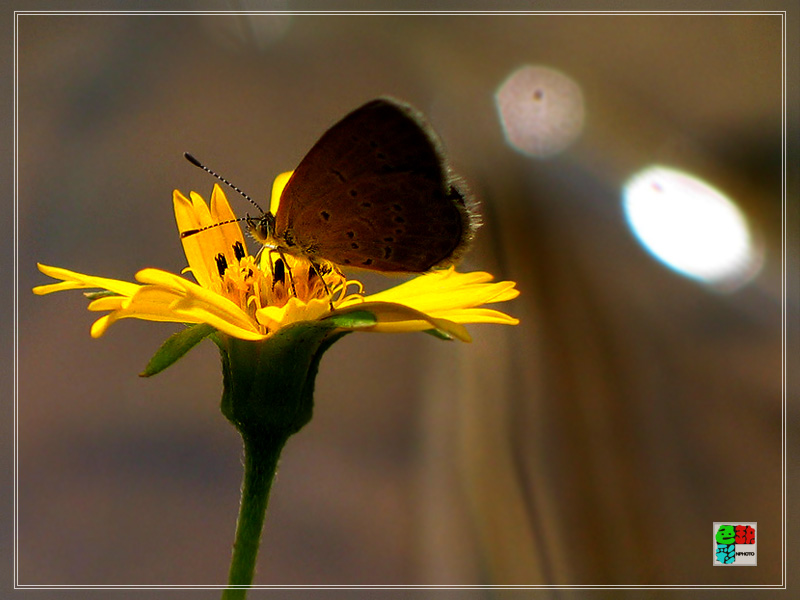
x=273, y=316
x=251, y=298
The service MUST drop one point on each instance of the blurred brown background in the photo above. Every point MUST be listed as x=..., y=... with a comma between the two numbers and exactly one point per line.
x=595, y=443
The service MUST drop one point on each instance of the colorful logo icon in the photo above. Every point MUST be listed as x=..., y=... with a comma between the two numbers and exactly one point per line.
x=735, y=544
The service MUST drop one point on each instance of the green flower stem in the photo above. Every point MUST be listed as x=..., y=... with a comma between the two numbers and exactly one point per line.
x=260, y=464
x=268, y=395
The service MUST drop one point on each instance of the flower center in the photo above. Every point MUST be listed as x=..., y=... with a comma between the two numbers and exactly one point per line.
x=271, y=280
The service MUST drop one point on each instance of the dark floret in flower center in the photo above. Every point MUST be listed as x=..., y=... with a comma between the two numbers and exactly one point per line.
x=238, y=251
x=280, y=272
x=222, y=263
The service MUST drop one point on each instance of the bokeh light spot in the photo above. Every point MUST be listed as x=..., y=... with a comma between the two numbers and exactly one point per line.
x=541, y=110
x=691, y=227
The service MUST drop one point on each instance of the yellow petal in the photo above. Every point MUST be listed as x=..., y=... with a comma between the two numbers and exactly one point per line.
x=277, y=189
x=466, y=297
x=393, y=317
x=231, y=233
x=435, y=282
x=109, y=303
x=41, y=290
x=274, y=317
x=158, y=303
x=140, y=306
x=196, y=300
x=202, y=265
x=185, y=215
x=216, y=240
x=74, y=281
x=415, y=326
x=447, y=290
x=477, y=315
x=202, y=248
x=100, y=326
x=154, y=303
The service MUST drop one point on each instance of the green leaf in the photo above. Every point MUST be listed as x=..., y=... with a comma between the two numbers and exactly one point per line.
x=175, y=347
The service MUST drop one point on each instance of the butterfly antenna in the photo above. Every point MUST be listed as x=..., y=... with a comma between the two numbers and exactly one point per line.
x=189, y=232
x=197, y=163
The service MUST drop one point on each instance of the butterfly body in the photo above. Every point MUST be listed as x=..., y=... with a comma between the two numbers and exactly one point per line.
x=374, y=193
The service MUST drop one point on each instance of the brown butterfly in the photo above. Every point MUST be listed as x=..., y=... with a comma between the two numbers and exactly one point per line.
x=375, y=193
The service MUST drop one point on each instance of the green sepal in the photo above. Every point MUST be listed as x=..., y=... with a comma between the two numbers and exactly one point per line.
x=268, y=385
x=438, y=333
x=175, y=347
x=100, y=294
x=353, y=319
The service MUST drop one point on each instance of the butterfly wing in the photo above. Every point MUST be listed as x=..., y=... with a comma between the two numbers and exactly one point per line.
x=374, y=192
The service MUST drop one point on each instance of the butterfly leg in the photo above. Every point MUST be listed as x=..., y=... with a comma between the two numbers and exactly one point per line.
x=277, y=270
x=317, y=269
x=259, y=260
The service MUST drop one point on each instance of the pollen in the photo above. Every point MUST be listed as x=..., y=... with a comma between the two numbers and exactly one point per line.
x=254, y=283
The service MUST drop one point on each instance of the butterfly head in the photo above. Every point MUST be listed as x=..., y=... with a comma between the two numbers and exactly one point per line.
x=262, y=228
